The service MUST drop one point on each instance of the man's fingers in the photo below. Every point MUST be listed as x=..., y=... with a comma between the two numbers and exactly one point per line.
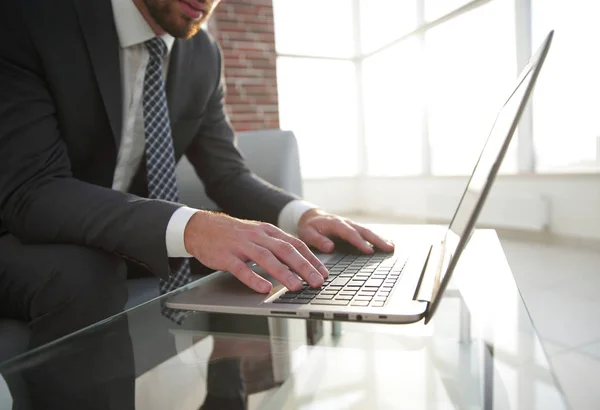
x=348, y=233
x=248, y=277
x=303, y=250
x=289, y=255
x=373, y=238
x=312, y=237
x=263, y=256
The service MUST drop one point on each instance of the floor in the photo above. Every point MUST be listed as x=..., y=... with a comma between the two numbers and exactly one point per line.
x=560, y=286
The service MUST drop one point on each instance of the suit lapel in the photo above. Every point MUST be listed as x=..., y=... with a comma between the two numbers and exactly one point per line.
x=98, y=27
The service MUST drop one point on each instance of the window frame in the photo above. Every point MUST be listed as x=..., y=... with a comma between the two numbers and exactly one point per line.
x=523, y=25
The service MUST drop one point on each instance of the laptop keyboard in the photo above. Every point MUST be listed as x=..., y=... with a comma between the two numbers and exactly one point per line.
x=354, y=280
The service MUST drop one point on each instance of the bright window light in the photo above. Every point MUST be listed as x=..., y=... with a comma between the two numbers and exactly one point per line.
x=317, y=100
x=435, y=9
x=471, y=67
x=321, y=28
x=383, y=21
x=393, y=97
x=566, y=104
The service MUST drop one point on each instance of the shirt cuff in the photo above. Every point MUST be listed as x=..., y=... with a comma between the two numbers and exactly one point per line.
x=175, y=230
x=291, y=213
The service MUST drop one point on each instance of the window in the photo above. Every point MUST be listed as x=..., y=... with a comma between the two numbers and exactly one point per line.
x=323, y=29
x=393, y=99
x=470, y=67
x=317, y=101
x=412, y=87
x=317, y=84
x=384, y=21
x=566, y=103
x=435, y=9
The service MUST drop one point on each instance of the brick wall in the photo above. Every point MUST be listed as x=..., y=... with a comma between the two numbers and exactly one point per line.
x=244, y=29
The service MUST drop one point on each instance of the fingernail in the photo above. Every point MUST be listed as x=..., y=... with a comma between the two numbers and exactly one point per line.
x=324, y=271
x=316, y=279
x=264, y=287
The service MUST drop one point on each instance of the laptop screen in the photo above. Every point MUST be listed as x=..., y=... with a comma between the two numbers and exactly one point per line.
x=488, y=158
x=487, y=166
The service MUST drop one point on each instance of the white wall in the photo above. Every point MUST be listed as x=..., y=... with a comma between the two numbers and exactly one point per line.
x=568, y=205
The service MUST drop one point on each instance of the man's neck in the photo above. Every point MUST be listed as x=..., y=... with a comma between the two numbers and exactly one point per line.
x=141, y=6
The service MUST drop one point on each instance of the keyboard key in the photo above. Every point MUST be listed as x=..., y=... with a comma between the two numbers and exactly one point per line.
x=309, y=297
x=359, y=303
x=284, y=301
x=374, y=283
x=377, y=304
x=330, y=302
x=343, y=297
x=364, y=297
x=339, y=281
x=357, y=282
x=367, y=292
x=324, y=297
x=288, y=296
x=380, y=298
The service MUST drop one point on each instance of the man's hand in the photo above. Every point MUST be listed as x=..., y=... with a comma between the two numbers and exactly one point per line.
x=316, y=227
x=225, y=243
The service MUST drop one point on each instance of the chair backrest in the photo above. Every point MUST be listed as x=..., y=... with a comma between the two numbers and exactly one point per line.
x=270, y=154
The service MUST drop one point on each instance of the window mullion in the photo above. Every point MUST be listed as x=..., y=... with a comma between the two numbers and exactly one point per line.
x=523, y=38
x=425, y=145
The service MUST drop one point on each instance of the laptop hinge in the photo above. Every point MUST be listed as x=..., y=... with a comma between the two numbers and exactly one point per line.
x=430, y=280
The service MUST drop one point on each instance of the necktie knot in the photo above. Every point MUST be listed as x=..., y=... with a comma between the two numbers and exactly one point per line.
x=157, y=47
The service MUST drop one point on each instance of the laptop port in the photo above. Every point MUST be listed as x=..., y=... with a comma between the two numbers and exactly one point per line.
x=316, y=315
x=340, y=316
x=277, y=312
x=359, y=317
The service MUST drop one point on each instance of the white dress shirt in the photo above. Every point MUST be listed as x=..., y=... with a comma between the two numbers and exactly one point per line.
x=133, y=31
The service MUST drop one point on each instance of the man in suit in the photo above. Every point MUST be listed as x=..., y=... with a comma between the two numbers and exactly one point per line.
x=98, y=102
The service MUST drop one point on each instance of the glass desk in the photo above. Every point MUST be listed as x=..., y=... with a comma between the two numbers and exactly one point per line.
x=480, y=351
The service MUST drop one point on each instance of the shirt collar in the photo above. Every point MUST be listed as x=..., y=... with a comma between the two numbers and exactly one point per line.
x=132, y=29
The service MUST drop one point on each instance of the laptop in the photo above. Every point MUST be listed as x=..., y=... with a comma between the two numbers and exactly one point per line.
x=403, y=287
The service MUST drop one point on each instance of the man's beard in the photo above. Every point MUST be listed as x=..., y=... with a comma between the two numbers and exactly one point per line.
x=167, y=15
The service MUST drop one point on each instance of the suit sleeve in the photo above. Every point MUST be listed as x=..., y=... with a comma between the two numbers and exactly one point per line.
x=40, y=200
x=220, y=165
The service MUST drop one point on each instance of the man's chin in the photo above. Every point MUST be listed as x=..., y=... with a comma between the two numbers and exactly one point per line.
x=183, y=29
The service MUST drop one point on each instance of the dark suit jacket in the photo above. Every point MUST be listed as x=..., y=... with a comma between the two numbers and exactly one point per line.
x=60, y=126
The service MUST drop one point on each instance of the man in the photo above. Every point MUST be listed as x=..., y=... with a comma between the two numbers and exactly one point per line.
x=98, y=102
